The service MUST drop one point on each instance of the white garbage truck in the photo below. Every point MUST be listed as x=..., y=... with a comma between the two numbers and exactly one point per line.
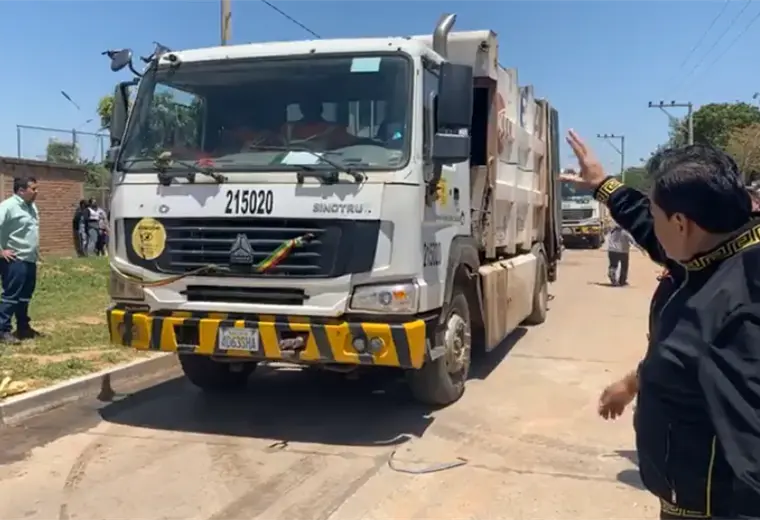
x=585, y=220
x=343, y=204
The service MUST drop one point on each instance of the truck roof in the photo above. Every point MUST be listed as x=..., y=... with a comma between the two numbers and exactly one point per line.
x=302, y=47
x=476, y=48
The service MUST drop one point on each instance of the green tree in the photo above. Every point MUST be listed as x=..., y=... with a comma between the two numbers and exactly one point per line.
x=105, y=108
x=714, y=123
x=61, y=153
x=744, y=146
x=637, y=177
x=96, y=175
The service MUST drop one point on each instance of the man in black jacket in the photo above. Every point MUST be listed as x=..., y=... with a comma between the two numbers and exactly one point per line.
x=697, y=418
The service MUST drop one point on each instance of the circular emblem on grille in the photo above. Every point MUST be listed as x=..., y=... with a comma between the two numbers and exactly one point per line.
x=163, y=209
x=148, y=239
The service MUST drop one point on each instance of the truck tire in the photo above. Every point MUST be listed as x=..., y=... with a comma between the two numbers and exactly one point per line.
x=441, y=382
x=540, y=292
x=214, y=377
x=595, y=242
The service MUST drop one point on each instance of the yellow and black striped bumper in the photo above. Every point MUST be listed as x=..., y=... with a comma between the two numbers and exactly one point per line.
x=325, y=341
x=586, y=231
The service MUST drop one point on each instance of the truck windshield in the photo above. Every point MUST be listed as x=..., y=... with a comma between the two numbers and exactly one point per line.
x=571, y=191
x=261, y=114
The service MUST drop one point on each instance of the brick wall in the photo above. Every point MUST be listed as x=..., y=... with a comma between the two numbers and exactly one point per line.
x=61, y=187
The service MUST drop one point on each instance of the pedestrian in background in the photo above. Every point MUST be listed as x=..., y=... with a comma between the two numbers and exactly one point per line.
x=102, y=247
x=80, y=228
x=94, y=216
x=618, y=253
x=19, y=252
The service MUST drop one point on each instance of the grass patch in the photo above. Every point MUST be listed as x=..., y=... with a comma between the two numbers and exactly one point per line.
x=70, y=287
x=69, y=307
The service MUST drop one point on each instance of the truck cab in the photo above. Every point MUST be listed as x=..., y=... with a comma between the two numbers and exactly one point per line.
x=584, y=219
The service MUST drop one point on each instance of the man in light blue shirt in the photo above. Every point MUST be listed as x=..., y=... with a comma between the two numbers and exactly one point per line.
x=618, y=251
x=19, y=251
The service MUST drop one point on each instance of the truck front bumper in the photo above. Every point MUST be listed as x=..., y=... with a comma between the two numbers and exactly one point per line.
x=280, y=338
x=581, y=232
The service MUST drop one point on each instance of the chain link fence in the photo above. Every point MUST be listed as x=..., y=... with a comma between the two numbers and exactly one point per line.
x=60, y=145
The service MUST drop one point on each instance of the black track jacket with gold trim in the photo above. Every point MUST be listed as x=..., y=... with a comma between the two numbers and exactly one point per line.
x=697, y=417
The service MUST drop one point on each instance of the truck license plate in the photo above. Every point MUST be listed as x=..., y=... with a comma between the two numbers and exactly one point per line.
x=233, y=338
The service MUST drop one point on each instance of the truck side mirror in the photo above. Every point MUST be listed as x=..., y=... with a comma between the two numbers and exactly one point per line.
x=450, y=148
x=120, y=111
x=451, y=142
x=120, y=59
x=455, y=96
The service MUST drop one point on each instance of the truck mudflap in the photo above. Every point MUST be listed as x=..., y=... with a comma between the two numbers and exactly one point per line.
x=277, y=338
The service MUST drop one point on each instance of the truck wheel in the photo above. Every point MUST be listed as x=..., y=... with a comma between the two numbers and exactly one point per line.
x=441, y=382
x=540, y=292
x=215, y=377
x=595, y=242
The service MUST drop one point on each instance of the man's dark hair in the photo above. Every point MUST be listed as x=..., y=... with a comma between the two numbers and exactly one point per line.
x=704, y=184
x=22, y=183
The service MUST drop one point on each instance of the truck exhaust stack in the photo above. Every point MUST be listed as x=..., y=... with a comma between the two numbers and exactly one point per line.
x=441, y=34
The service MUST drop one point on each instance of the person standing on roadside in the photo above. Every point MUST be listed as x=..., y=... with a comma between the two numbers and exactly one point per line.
x=618, y=253
x=697, y=416
x=80, y=228
x=20, y=245
x=102, y=247
x=94, y=216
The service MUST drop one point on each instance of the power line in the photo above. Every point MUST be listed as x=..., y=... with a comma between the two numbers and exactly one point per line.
x=733, y=42
x=620, y=151
x=704, y=34
x=287, y=16
x=715, y=44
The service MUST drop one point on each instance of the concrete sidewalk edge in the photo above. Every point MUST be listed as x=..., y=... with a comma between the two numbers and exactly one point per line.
x=17, y=408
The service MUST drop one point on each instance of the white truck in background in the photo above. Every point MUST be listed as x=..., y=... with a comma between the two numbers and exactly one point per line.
x=395, y=203
x=585, y=221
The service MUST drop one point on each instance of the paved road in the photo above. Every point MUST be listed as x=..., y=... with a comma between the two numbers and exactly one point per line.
x=293, y=447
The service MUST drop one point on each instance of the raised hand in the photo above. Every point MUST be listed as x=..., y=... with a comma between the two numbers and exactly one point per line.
x=592, y=173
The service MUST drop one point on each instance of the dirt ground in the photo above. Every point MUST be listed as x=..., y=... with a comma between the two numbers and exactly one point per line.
x=304, y=446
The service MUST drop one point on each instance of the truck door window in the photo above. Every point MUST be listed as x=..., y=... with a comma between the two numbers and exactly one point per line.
x=429, y=104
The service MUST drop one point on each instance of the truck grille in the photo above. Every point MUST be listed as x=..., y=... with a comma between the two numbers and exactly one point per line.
x=339, y=247
x=577, y=214
x=259, y=295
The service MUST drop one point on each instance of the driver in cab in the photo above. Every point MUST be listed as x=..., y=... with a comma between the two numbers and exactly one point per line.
x=242, y=134
x=312, y=127
x=238, y=134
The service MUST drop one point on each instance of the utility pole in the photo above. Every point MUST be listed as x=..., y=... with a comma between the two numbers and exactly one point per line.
x=621, y=150
x=673, y=104
x=226, y=19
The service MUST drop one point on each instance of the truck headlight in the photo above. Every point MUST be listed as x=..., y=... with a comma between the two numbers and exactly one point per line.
x=121, y=289
x=401, y=298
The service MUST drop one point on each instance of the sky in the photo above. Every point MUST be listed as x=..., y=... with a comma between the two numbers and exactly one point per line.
x=598, y=62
